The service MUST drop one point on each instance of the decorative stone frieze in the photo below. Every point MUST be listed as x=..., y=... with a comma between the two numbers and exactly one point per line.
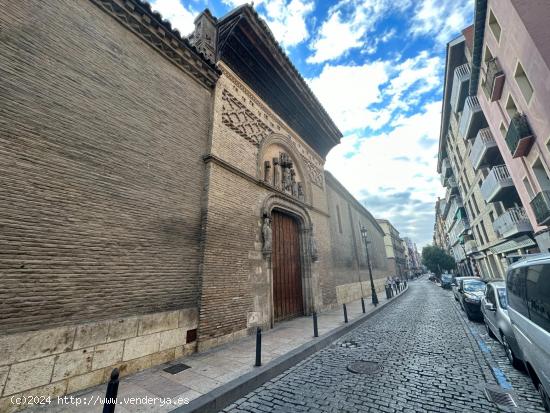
x=247, y=115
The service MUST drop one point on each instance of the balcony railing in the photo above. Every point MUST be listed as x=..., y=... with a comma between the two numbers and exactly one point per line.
x=470, y=246
x=445, y=167
x=494, y=80
x=462, y=225
x=519, y=137
x=512, y=222
x=497, y=185
x=472, y=119
x=483, y=145
x=460, y=87
x=541, y=207
x=451, y=184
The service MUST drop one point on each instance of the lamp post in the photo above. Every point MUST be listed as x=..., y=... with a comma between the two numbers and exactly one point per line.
x=364, y=235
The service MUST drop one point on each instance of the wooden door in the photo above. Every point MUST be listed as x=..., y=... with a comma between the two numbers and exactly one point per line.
x=287, y=272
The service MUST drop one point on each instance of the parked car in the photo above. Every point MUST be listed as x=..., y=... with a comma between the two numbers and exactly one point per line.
x=455, y=284
x=494, y=306
x=446, y=281
x=470, y=292
x=528, y=285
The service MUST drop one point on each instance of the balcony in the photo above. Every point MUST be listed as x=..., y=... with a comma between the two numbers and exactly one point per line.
x=541, y=207
x=456, y=204
x=484, y=150
x=445, y=168
x=498, y=184
x=512, y=222
x=460, y=87
x=494, y=80
x=519, y=137
x=472, y=119
x=461, y=225
x=470, y=246
x=452, y=185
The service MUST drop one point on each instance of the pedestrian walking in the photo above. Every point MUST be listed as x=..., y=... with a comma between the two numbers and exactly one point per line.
x=398, y=282
x=389, y=292
x=393, y=285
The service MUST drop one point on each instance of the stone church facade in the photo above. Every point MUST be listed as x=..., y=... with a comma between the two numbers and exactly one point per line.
x=161, y=195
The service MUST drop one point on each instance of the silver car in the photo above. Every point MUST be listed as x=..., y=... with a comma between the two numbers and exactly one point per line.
x=455, y=284
x=528, y=287
x=494, y=307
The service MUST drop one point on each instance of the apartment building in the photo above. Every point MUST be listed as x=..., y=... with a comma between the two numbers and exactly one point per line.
x=484, y=220
x=440, y=234
x=511, y=81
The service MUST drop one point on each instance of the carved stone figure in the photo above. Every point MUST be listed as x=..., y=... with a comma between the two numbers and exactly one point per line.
x=276, y=173
x=294, y=183
x=287, y=180
x=267, y=172
x=301, y=195
x=267, y=235
x=313, y=247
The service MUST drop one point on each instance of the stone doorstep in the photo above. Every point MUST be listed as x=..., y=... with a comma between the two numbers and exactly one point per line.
x=223, y=395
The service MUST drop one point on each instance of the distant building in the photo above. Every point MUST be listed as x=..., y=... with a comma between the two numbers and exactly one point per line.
x=395, y=249
x=414, y=259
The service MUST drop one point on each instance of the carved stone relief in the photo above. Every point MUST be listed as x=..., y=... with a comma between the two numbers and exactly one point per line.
x=253, y=120
x=267, y=236
x=284, y=176
x=243, y=121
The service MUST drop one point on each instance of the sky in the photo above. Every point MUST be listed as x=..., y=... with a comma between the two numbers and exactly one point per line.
x=377, y=67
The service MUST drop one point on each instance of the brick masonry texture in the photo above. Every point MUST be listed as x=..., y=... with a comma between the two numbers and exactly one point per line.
x=131, y=213
x=101, y=169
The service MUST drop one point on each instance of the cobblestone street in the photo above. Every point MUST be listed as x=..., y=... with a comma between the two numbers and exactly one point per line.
x=431, y=359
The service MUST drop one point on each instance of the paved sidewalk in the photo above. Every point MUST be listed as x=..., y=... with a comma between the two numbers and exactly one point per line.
x=210, y=369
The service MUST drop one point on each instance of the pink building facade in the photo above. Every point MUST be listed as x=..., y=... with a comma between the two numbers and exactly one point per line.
x=513, y=89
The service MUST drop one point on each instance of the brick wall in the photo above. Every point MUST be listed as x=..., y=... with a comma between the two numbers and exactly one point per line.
x=349, y=262
x=100, y=169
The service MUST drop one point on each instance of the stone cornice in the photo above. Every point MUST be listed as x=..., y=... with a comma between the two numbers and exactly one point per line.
x=138, y=17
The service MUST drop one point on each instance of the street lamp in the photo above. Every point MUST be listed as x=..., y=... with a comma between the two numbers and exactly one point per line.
x=364, y=235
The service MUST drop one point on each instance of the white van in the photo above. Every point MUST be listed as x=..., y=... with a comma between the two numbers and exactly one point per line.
x=528, y=287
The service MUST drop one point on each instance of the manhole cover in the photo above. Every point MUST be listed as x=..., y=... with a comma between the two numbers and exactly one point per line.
x=500, y=397
x=176, y=368
x=350, y=344
x=363, y=367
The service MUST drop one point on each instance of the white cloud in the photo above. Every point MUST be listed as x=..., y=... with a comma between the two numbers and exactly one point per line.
x=443, y=18
x=348, y=25
x=346, y=92
x=180, y=17
x=408, y=165
x=335, y=38
x=285, y=18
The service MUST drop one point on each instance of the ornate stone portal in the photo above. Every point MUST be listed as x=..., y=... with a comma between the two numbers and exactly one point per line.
x=284, y=176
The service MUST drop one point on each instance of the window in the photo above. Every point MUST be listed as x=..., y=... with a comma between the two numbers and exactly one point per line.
x=487, y=55
x=489, y=295
x=494, y=26
x=523, y=82
x=511, y=109
x=502, y=298
x=503, y=130
x=484, y=232
x=541, y=175
x=538, y=295
x=517, y=298
x=528, y=187
x=475, y=203
x=339, y=219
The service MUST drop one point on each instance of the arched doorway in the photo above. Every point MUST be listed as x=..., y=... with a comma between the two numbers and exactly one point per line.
x=286, y=266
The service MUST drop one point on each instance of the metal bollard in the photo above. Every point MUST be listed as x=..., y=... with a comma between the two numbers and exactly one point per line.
x=345, y=314
x=258, y=347
x=363, y=305
x=111, y=394
x=315, y=330
x=388, y=292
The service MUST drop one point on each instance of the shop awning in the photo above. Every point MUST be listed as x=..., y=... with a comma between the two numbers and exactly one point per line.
x=513, y=244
